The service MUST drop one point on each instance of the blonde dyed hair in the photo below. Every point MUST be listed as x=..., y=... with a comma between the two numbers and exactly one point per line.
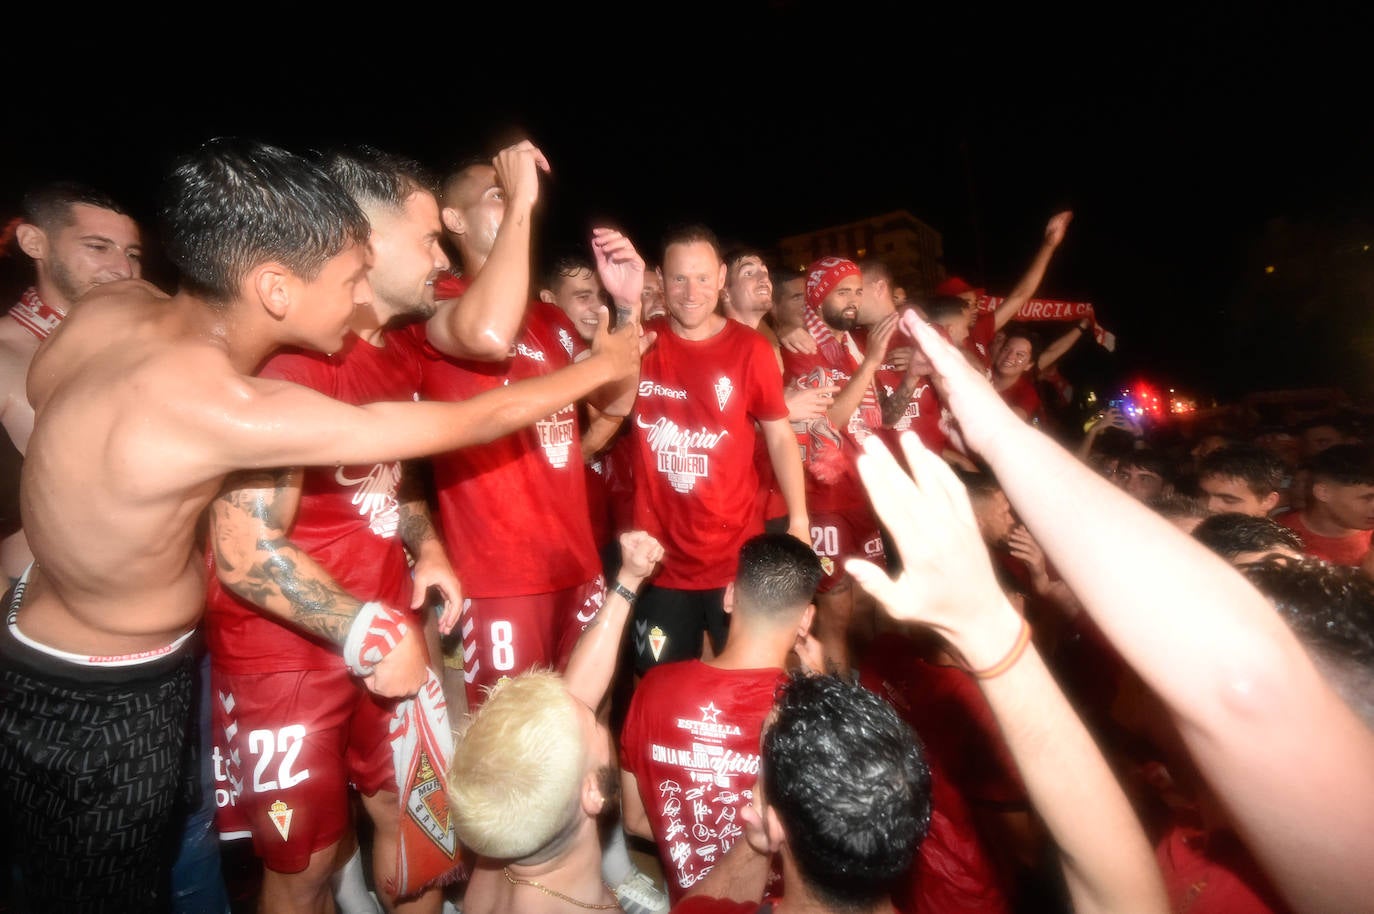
x=517, y=771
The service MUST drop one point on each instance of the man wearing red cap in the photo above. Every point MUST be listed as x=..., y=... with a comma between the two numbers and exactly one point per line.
x=842, y=522
x=986, y=323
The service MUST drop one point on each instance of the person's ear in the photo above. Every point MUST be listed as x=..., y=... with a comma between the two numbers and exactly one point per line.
x=547, y=297
x=32, y=240
x=807, y=617
x=729, y=599
x=1321, y=492
x=593, y=800
x=720, y=279
x=1269, y=502
x=453, y=220
x=271, y=284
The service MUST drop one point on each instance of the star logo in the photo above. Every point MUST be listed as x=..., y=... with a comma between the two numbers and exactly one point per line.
x=710, y=713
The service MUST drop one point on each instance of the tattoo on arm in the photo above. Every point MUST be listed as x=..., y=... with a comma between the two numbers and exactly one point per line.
x=895, y=405
x=260, y=564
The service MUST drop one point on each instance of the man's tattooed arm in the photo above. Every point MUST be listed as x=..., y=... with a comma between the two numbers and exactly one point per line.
x=255, y=559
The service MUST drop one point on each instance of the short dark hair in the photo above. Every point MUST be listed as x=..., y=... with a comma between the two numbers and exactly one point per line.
x=233, y=204
x=1260, y=468
x=778, y=575
x=944, y=306
x=876, y=268
x=374, y=177
x=1150, y=460
x=49, y=206
x=690, y=233
x=1343, y=464
x=850, y=784
x=1230, y=533
x=737, y=253
x=565, y=261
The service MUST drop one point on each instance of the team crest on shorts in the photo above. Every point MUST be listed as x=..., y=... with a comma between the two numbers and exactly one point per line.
x=656, y=641
x=280, y=814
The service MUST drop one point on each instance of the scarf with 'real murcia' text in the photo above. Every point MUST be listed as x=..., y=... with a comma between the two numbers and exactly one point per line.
x=34, y=316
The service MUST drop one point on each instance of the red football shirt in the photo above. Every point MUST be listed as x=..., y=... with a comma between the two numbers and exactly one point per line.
x=693, y=432
x=1338, y=550
x=347, y=521
x=514, y=511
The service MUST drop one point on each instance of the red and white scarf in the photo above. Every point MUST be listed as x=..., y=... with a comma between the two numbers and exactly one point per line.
x=421, y=751
x=1044, y=309
x=846, y=357
x=34, y=316
x=427, y=852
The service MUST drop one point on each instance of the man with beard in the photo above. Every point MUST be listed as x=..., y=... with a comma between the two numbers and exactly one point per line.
x=77, y=238
x=842, y=522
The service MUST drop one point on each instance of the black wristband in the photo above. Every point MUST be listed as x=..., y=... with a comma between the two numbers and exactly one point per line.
x=629, y=595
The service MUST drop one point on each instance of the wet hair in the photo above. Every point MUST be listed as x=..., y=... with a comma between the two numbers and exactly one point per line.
x=234, y=204
x=376, y=178
x=777, y=577
x=851, y=785
x=566, y=262
x=1331, y=610
x=1260, y=468
x=690, y=233
x=942, y=307
x=49, y=206
x=1230, y=533
x=1343, y=464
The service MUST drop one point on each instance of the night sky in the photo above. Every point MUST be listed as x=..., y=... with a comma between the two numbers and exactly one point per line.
x=1196, y=148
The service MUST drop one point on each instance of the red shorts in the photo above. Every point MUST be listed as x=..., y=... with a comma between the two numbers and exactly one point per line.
x=287, y=746
x=840, y=535
x=503, y=636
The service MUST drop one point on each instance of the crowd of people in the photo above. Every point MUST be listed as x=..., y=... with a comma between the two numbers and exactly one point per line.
x=374, y=534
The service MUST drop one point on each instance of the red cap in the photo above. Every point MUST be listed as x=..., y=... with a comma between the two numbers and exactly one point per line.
x=824, y=275
x=955, y=285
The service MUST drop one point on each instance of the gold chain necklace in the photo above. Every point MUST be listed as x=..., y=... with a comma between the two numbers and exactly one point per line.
x=557, y=894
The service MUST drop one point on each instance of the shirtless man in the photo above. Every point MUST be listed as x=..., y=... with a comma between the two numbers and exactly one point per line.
x=77, y=238
x=142, y=406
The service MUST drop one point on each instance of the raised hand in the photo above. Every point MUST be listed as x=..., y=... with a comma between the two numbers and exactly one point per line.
x=947, y=582
x=517, y=171
x=978, y=408
x=621, y=270
x=1056, y=227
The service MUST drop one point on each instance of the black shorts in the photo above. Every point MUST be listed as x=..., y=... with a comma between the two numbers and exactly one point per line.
x=96, y=766
x=669, y=624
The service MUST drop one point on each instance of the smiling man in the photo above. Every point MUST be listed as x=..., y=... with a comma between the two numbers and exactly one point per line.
x=708, y=389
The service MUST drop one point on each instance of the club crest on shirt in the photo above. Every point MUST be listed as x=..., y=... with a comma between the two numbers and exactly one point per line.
x=723, y=390
x=657, y=641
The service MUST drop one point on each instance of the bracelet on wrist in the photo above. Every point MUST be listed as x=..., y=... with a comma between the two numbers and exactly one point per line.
x=1023, y=638
x=629, y=595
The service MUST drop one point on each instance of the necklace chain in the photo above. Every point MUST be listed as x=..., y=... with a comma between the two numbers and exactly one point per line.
x=557, y=894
